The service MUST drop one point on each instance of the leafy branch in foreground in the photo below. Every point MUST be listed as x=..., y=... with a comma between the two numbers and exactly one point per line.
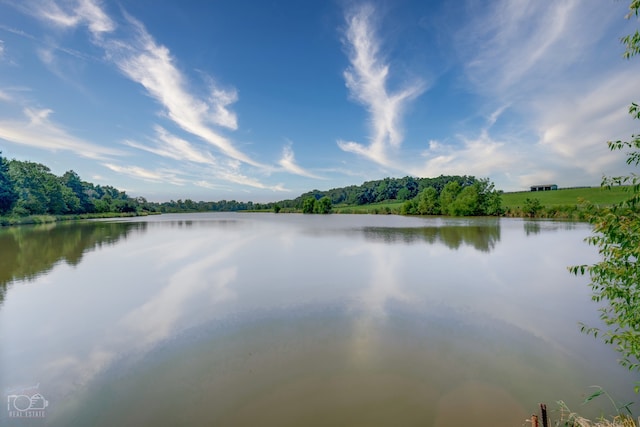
x=632, y=41
x=615, y=281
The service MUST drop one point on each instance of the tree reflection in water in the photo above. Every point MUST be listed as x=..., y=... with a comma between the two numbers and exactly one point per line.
x=482, y=238
x=30, y=251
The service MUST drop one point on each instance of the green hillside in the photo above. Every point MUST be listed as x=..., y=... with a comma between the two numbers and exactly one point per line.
x=568, y=198
x=565, y=197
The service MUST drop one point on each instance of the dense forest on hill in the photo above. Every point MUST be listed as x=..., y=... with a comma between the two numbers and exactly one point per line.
x=29, y=188
x=445, y=195
x=369, y=192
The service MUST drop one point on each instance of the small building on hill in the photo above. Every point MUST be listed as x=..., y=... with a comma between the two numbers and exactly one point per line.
x=545, y=187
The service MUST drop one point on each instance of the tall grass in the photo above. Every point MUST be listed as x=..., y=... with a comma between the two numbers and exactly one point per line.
x=623, y=416
x=569, y=418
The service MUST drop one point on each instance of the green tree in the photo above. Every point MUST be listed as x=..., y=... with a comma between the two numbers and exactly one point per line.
x=489, y=199
x=323, y=206
x=448, y=196
x=276, y=208
x=8, y=194
x=531, y=207
x=31, y=184
x=428, y=203
x=55, y=194
x=466, y=202
x=103, y=204
x=308, y=205
x=70, y=200
x=403, y=194
x=75, y=184
x=410, y=207
x=615, y=280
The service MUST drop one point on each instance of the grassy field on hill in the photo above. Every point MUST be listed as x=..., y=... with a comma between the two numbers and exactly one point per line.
x=388, y=207
x=566, y=197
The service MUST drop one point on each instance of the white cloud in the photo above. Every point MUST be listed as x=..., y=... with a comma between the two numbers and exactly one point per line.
x=511, y=47
x=159, y=175
x=239, y=178
x=207, y=185
x=554, y=66
x=46, y=56
x=93, y=14
x=367, y=80
x=481, y=156
x=579, y=121
x=152, y=66
x=173, y=147
x=72, y=14
x=200, y=176
x=219, y=100
x=39, y=131
x=140, y=58
x=288, y=163
x=51, y=12
x=539, y=177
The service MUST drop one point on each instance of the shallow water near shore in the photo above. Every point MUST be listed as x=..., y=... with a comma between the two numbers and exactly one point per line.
x=263, y=319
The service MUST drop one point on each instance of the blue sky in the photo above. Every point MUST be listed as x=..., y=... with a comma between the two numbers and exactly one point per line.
x=264, y=100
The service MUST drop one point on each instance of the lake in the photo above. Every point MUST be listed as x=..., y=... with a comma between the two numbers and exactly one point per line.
x=240, y=319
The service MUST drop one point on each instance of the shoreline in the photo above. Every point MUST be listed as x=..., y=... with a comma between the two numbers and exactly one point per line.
x=9, y=221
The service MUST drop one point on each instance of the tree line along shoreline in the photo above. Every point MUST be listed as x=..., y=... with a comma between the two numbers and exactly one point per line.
x=30, y=193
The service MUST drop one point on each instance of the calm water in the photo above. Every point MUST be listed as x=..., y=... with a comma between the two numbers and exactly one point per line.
x=263, y=319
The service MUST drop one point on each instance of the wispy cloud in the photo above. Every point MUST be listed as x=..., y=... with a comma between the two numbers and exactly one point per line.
x=288, y=163
x=208, y=185
x=173, y=147
x=4, y=96
x=480, y=156
x=161, y=175
x=537, y=59
x=71, y=14
x=59, y=68
x=576, y=123
x=206, y=169
x=134, y=51
x=205, y=176
x=235, y=176
x=93, y=14
x=151, y=65
x=510, y=47
x=38, y=130
x=367, y=80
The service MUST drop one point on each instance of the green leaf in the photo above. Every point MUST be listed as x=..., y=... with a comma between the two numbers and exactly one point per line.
x=595, y=394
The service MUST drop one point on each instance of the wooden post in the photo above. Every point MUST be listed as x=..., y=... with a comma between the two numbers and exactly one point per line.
x=543, y=413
